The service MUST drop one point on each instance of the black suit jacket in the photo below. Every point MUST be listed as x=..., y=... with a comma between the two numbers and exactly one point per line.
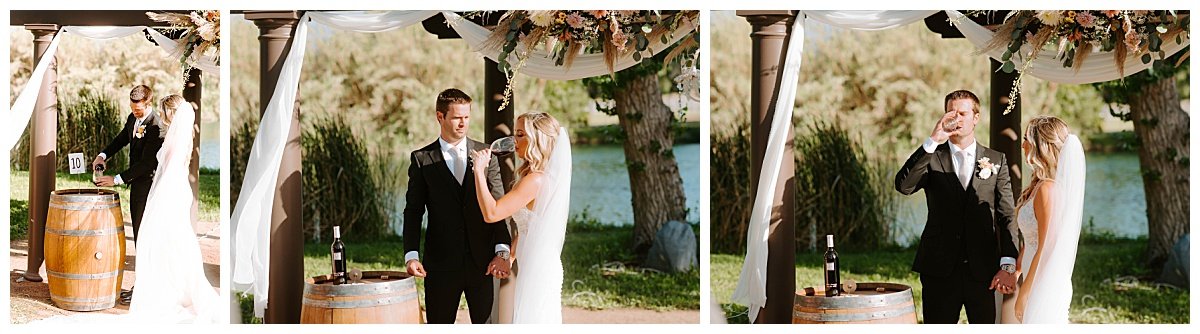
x=976, y=220
x=143, y=152
x=456, y=228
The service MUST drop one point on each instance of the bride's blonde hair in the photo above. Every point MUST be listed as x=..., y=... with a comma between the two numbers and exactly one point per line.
x=1047, y=135
x=541, y=130
x=167, y=107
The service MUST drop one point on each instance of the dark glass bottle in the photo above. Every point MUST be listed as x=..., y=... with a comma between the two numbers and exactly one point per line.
x=338, y=252
x=832, y=281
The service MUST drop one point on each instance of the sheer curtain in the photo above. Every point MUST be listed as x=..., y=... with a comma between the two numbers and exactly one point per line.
x=22, y=108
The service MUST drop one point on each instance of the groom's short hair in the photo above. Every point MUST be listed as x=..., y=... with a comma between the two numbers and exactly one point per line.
x=139, y=93
x=451, y=96
x=962, y=94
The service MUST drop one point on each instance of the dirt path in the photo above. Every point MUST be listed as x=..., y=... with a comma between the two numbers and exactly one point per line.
x=31, y=301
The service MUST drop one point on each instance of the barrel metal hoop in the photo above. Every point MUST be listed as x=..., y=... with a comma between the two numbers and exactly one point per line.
x=111, y=298
x=364, y=303
x=85, y=206
x=83, y=276
x=86, y=233
x=856, y=302
x=848, y=317
x=360, y=289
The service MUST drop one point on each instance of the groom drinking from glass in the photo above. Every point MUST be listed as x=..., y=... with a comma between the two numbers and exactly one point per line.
x=966, y=249
x=143, y=136
x=461, y=250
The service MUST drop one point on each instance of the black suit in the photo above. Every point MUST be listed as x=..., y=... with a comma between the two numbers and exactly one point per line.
x=143, y=160
x=967, y=233
x=459, y=245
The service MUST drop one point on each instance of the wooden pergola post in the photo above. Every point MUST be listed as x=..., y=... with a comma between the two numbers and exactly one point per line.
x=498, y=123
x=769, y=33
x=276, y=30
x=43, y=137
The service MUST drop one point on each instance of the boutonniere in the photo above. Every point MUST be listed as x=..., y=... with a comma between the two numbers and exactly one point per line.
x=987, y=168
x=141, y=131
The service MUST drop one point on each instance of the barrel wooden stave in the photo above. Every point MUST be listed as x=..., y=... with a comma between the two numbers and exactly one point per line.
x=84, y=248
x=866, y=306
x=379, y=301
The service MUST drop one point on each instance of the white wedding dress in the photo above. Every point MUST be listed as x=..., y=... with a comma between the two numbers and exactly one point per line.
x=1050, y=289
x=170, y=285
x=538, y=295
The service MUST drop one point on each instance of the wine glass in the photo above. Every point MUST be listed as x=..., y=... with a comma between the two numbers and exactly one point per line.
x=504, y=146
x=951, y=125
x=97, y=172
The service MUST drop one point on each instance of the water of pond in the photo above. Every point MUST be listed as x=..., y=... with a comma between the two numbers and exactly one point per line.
x=210, y=145
x=1114, y=200
x=600, y=184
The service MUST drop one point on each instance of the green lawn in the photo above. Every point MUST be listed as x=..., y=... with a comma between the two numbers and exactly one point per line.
x=210, y=196
x=1110, y=286
x=598, y=273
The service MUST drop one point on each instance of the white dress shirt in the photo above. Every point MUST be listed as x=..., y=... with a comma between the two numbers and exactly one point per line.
x=957, y=159
x=448, y=151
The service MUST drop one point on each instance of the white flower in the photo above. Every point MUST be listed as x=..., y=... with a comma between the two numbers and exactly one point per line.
x=1050, y=17
x=209, y=32
x=987, y=168
x=985, y=173
x=541, y=18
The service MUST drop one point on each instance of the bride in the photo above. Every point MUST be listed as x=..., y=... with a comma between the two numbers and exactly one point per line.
x=538, y=205
x=1050, y=211
x=171, y=285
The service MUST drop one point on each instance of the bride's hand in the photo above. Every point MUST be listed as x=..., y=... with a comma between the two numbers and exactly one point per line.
x=1022, y=299
x=481, y=160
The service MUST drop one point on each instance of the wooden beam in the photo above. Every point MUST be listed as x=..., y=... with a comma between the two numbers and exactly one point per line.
x=86, y=17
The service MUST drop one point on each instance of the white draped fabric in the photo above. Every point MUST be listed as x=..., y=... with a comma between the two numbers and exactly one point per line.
x=751, y=287
x=22, y=109
x=1099, y=66
x=252, y=214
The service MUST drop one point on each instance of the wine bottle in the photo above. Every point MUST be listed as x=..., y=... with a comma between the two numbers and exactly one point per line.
x=338, y=251
x=832, y=281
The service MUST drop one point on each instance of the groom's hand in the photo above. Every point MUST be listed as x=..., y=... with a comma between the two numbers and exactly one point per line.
x=940, y=135
x=499, y=268
x=1004, y=282
x=106, y=181
x=415, y=268
x=98, y=162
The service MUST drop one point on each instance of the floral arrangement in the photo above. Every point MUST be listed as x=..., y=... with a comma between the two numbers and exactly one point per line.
x=201, y=34
x=1079, y=33
x=566, y=34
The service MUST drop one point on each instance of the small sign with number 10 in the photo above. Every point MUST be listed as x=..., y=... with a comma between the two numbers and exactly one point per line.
x=75, y=160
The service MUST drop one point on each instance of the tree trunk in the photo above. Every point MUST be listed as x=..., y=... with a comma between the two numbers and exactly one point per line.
x=654, y=176
x=1162, y=128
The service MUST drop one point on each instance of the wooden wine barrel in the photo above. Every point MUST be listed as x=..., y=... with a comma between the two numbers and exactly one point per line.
x=871, y=303
x=380, y=297
x=85, y=248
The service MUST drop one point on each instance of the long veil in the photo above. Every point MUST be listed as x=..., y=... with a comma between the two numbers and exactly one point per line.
x=538, y=296
x=1050, y=292
x=170, y=281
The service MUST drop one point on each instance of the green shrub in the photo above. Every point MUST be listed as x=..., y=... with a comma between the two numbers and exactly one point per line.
x=731, y=194
x=87, y=122
x=342, y=184
x=839, y=191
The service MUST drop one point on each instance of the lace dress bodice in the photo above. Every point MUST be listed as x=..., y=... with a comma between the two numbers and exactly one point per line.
x=1027, y=224
x=521, y=220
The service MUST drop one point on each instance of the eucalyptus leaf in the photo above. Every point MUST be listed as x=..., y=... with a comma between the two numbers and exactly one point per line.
x=637, y=56
x=1161, y=28
x=664, y=39
x=1008, y=67
x=646, y=28
x=1146, y=58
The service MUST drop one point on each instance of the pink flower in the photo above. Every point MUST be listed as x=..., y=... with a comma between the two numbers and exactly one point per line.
x=619, y=39
x=598, y=13
x=575, y=20
x=1111, y=13
x=1086, y=19
x=1132, y=40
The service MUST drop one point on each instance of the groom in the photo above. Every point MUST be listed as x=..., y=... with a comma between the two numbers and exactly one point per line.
x=461, y=250
x=143, y=136
x=966, y=249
